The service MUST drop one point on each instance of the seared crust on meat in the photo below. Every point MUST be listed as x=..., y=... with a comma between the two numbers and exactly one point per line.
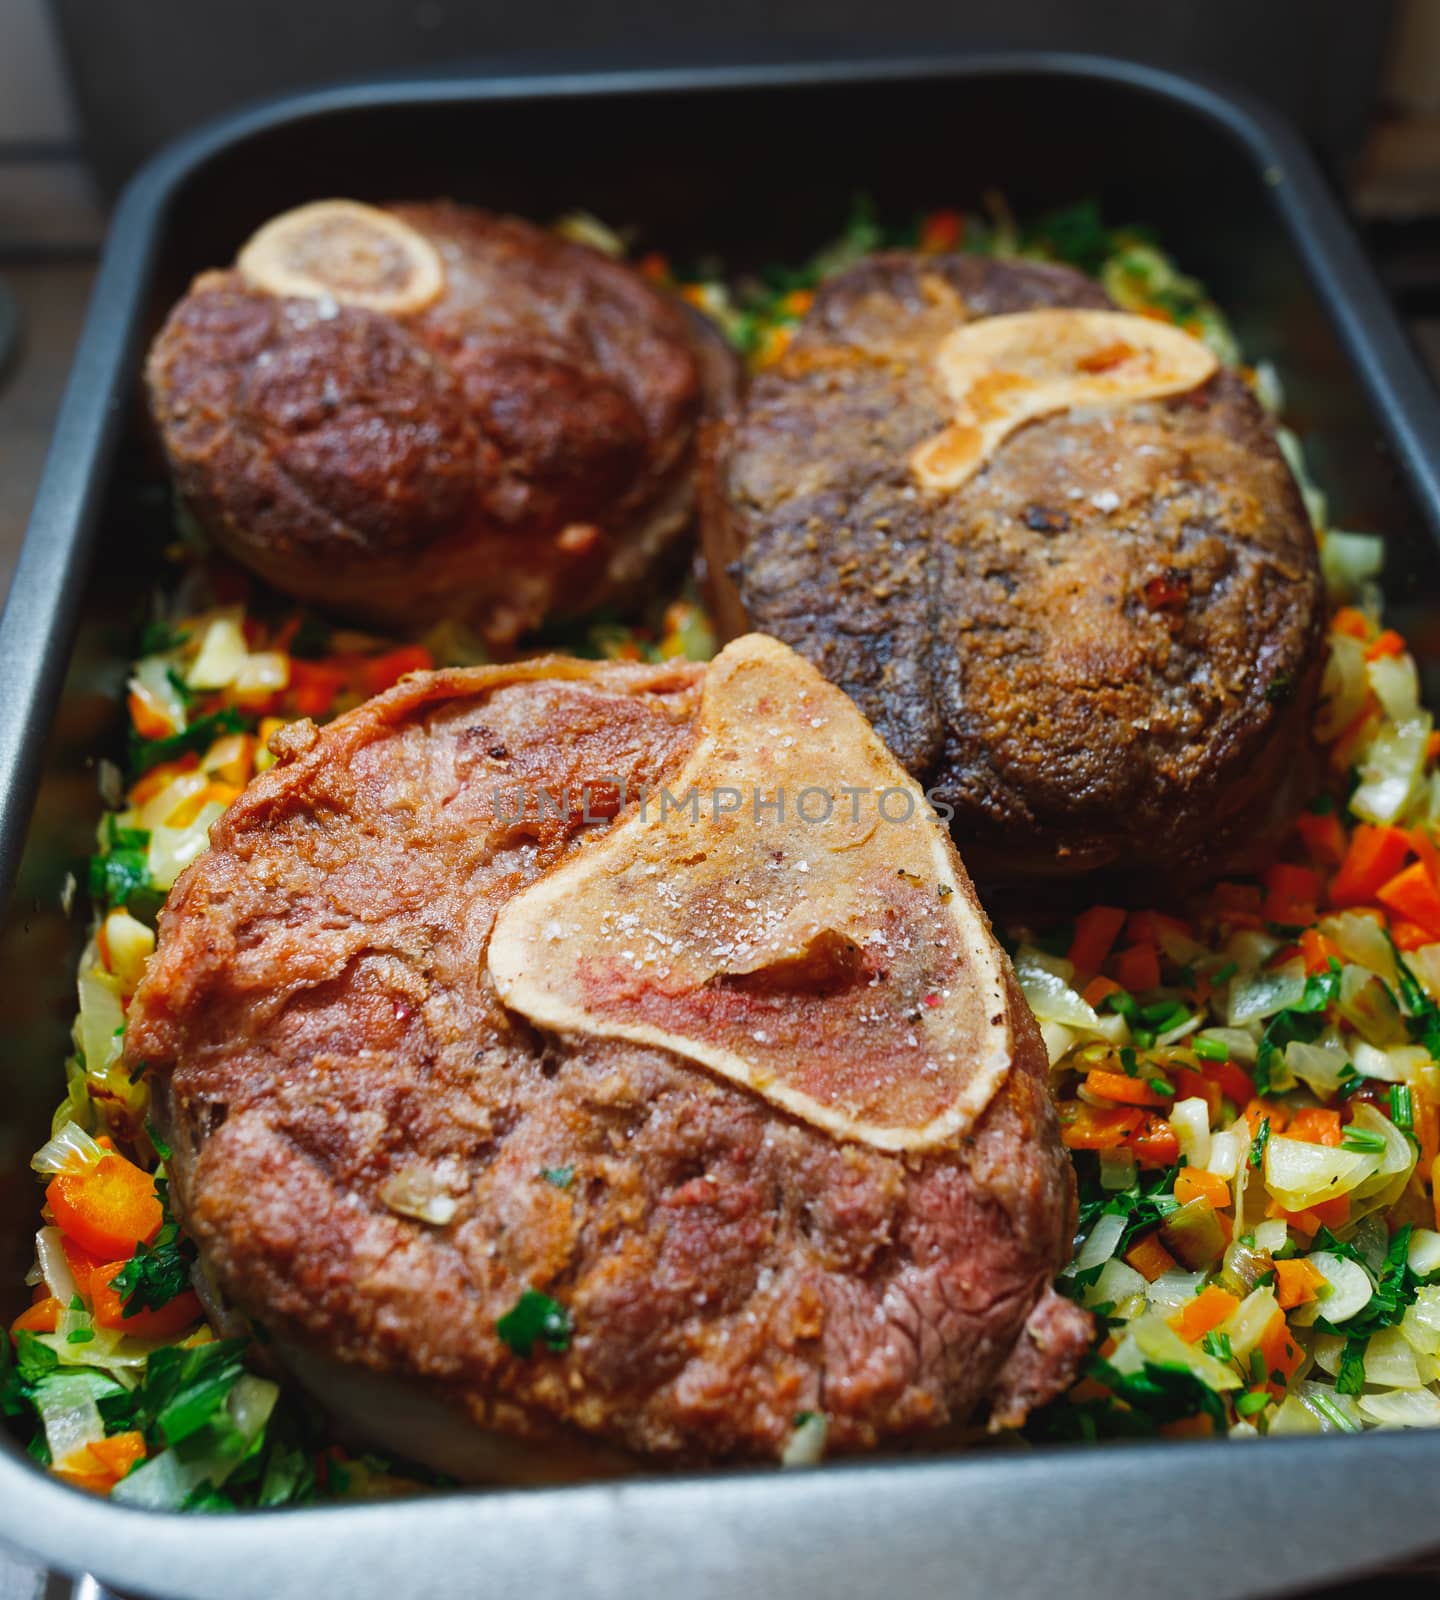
x=524, y=445
x=319, y=1019
x=1102, y=650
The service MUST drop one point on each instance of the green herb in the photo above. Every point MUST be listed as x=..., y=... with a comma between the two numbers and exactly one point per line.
x=1304, y=1021
x=80, y=1336
x=1257, y=1145
x=1348, y=1082
x=158, y=639
x=1351, y=1377
x=162, y=1149
x=1126, y=1004
x=1395, y=1289
x=561, y=1177
x=199, y=735
x=1217, y=1344
x=1210, y=1049
x=1364, y=1141
x=1143, y=1037
x=1402, y=1107
x=1279, y=689
x=802, y=1417
x=160, y=1270
x=183, y=691
x=1252, y=1402
x=1224, y=974
x=1423, y=1021
x=1147, y=1201
x=311, y=639
x=1319, y=1401
x=76, y=1303
x=1127, y=1061
x=535, y=1319
x=1160, y=1085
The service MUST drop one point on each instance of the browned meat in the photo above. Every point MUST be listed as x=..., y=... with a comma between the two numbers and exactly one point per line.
x=522, y=446
x=1102, y=650
x=320, y=1024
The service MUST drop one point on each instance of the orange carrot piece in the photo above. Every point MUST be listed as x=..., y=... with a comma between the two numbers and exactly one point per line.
x=81, y=1263
x=1410, y=936
x=1282, y=1354
x=1375, y=855
x=1427, y=1127
x=1191, y=1086
x=940, y=231
x=1156, y=1144
x=1323, y=836
x=1297, y=1283
x=1432, y=746
x=383, y=672
x=1388, y=643
x=1124, y=1090
x=1198, y=1426
x=1098, y=990
x=1194, y=1183
x=1333, y=1213
x=1318, y=950
x=184, y=1311
x=1316, y=1125
x=1086, y=1127
x=1412, y=895
x=1138, y=968
x=1096, y=930
x=41, y=1317
x=108, y=1208
x=1207, y=1310
x=1348, y=620
x=1150, y=1258
x=119, y=1452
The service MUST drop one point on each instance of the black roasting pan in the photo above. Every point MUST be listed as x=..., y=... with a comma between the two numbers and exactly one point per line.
x=757, y=163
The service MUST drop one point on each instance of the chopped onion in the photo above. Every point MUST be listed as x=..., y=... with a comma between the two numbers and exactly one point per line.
x=1271, y=1235
x=1396, y=684
x=266, y=672
x=417, y=1191
x=1368, y=1005
x=1293, y=1417
x=222, y=652
x=1397, y=1064
x=1338, y=1413
x=153, y=683
x=1118, y=1285
x=1191, y=1122
x=806, y=1445
x=71, y=1150
x=1101, y=1242
x=1319, y=1065
x=1402, y=1408
x=1395, y=1164
x=100, y=1026
x=1224, y=1159
x=54, y=1266
x=1118, y=1169
x=1171, y=1290
x=1390, y=1362
x=1248, y=1321
x=1262, y=994
x=1298, y=1174
x=1349, y=560
x=1059, y=1041
x=173, y=849
x=1424, y=1256
x=1391, y=770
x=1151, y=1338
x=1239, y=1045
x=1050, y=996
x=1421, y=1322
x=1361, y=940
x=1343, y=688
x=71, y=1417
x=1349, y=1286
x=1326, y=1349
x=165, y=802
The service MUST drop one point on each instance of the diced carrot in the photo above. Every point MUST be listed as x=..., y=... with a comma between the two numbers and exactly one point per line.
x=76, y=1471
x=1197, y=1426
x=1194, y=1183
x=40, y=1317
x=188, y=809
x=1237, y=904
x=184, y=1311
x=159, y=777
x=1410, y=936
x=1316, y=1125
x=1323, y=836
x=383, y=672
x=1305, y=1222
x=940, y=231
x=1138, y=968
x=1235, y=1083
x=1096, y=930
x=1098, y=990
x=1207, y=1310
x=1427, y=1127
x=1297, y=1282
x=119, y=1452
x=1191, y=1086
x=1388, y=643
x=1155, y=1144
x=1318, y=950
x=1375, y=855
x=1258, y=1111
x=314, y=686
x=1281, y=1353
x=1333, y=1213
x=81, y=1263
x=150, y=718
x=1435, y=1188
x=1150, y=1258
x=1348, y=620
x=1085, y=1127
x=1412, y=895
x=1422, y=842
x=107, y=1208
x=1291, y=893
x=1125, y=1091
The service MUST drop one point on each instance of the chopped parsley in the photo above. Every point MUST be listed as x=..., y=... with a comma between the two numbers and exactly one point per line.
x=158, y=1271
x=199, y=735
x=1257, y=1145
x=1303, y=1022
x=535, y=1319
x=561, y=1177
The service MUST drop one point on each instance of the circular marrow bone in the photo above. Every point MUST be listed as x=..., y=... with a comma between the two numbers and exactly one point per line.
x=789, y=912
x=1000, y=372
x=347, y=252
